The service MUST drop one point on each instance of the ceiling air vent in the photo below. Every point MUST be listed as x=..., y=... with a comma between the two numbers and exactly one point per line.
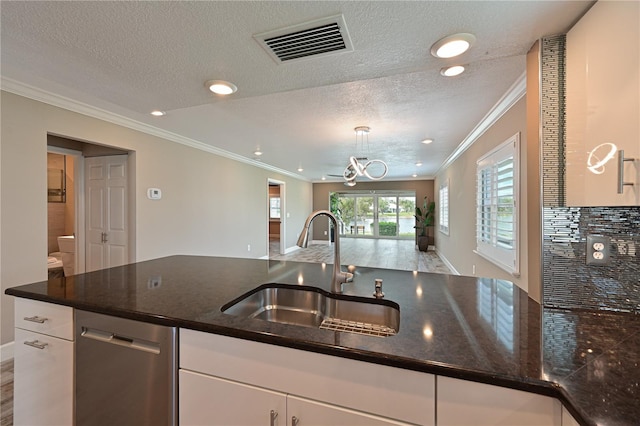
x=321, y=37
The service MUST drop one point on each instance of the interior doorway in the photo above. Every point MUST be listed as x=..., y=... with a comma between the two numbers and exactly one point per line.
x=275, y=217
x=64, y=171
x=77, y=199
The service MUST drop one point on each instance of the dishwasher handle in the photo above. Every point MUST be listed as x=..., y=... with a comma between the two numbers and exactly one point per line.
x=120, y=340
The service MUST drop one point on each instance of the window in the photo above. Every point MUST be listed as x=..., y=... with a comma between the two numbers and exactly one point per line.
x=497, y=205
x=274, y=207
x=443, y=211
x=385, y=214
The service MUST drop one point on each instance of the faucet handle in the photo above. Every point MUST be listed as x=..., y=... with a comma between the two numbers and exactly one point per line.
x=378, y=294
x=345, y=277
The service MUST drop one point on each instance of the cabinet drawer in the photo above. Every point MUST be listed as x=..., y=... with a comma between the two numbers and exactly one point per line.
x=43, y=385
x=45, y=318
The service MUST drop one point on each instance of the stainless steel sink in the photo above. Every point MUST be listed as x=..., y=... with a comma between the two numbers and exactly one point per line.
x=313, y=307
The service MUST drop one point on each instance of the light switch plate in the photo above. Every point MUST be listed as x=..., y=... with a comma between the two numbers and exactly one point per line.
x=598, y=249
x=154, y=193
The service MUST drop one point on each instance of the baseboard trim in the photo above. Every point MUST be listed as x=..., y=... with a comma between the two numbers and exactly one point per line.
x=325, y=242
x=291, y=249
x=6, y=352
x=446, y=262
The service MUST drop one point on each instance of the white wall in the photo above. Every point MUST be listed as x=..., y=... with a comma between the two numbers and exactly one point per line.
x=457, y=247
x=211, y=205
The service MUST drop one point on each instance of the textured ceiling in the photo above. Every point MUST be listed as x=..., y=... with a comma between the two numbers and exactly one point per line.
x=132, y=57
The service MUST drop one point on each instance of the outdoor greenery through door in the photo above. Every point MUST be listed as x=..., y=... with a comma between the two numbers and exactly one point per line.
x=374, y=215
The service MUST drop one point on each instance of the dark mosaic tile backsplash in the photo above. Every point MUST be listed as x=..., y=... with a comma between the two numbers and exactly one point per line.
x=569, y=281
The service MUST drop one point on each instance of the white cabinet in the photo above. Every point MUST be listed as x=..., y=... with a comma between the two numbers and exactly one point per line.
x=215, y=401
x=461, y=402
x=206, y=400
x=43, y=364
x=567, y=418
x=603, y=105
x=304, y=412
x=318, y=387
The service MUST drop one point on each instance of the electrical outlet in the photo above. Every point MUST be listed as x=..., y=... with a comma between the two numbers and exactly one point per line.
x=154, y=282
x=598, y=249
x=248, y=247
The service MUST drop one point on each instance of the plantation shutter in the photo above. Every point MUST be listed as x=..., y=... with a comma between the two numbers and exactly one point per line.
x=497, y=213
x=443, y=219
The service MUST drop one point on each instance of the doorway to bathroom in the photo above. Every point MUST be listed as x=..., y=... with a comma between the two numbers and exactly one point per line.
x=88, y=214
x=276, y=217
x=61, y=212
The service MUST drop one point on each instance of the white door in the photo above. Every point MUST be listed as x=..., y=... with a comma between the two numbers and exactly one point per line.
x=106, y=207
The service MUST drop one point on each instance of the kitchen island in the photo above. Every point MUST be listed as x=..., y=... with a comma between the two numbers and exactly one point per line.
x=475, y=329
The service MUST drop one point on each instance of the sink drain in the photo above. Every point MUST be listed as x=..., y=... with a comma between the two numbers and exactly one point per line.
x=337, y=324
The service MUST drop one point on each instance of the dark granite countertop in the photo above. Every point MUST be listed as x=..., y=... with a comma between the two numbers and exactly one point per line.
x=478, y=329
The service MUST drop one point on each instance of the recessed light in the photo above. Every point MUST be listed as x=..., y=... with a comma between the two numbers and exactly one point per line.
x=453, y=45
x=323, y=178
x=427, y=141
x=414, y=175
x=220, y=87
x=452, y=71
x=258, y=152
x=418, y=164
x=300, y=169
x=158, y=113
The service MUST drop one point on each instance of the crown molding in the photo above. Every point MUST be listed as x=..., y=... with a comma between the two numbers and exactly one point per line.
x=37, y=94
x=517, y=90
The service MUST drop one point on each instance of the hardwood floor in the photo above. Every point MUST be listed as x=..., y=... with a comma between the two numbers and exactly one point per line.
x=389, y=254
x=380, y=253
x=6, y=393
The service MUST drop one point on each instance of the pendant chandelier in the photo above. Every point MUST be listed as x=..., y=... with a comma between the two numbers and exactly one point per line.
x=357, y=165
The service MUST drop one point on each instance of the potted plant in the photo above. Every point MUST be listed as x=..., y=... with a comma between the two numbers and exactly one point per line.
x=425, y=218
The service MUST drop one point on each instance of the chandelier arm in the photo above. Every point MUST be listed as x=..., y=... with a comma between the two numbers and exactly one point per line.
x=357, y=166
x=384, y=173
x=349, y=173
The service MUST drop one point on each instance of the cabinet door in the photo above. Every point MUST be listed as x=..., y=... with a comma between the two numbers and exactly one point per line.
x=303, y=412
x=469, y=403
x=207, y=400
x=43, y=386
x=603, y=105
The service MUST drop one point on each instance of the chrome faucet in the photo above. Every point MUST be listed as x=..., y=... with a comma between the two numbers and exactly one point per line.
x=338, y=277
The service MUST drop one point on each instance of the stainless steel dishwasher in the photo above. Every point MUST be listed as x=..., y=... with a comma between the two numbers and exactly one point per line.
x=125, y=372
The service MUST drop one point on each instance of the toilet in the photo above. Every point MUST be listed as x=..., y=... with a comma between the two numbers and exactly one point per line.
x=67, y=246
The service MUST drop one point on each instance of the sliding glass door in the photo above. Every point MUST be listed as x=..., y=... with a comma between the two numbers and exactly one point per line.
x=366, y=215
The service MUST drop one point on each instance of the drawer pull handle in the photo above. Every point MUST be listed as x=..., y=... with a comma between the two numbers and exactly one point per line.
x=272, y=418
x=35, y=318
x=115, y=339
x=294, y=421
x=36, y=344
